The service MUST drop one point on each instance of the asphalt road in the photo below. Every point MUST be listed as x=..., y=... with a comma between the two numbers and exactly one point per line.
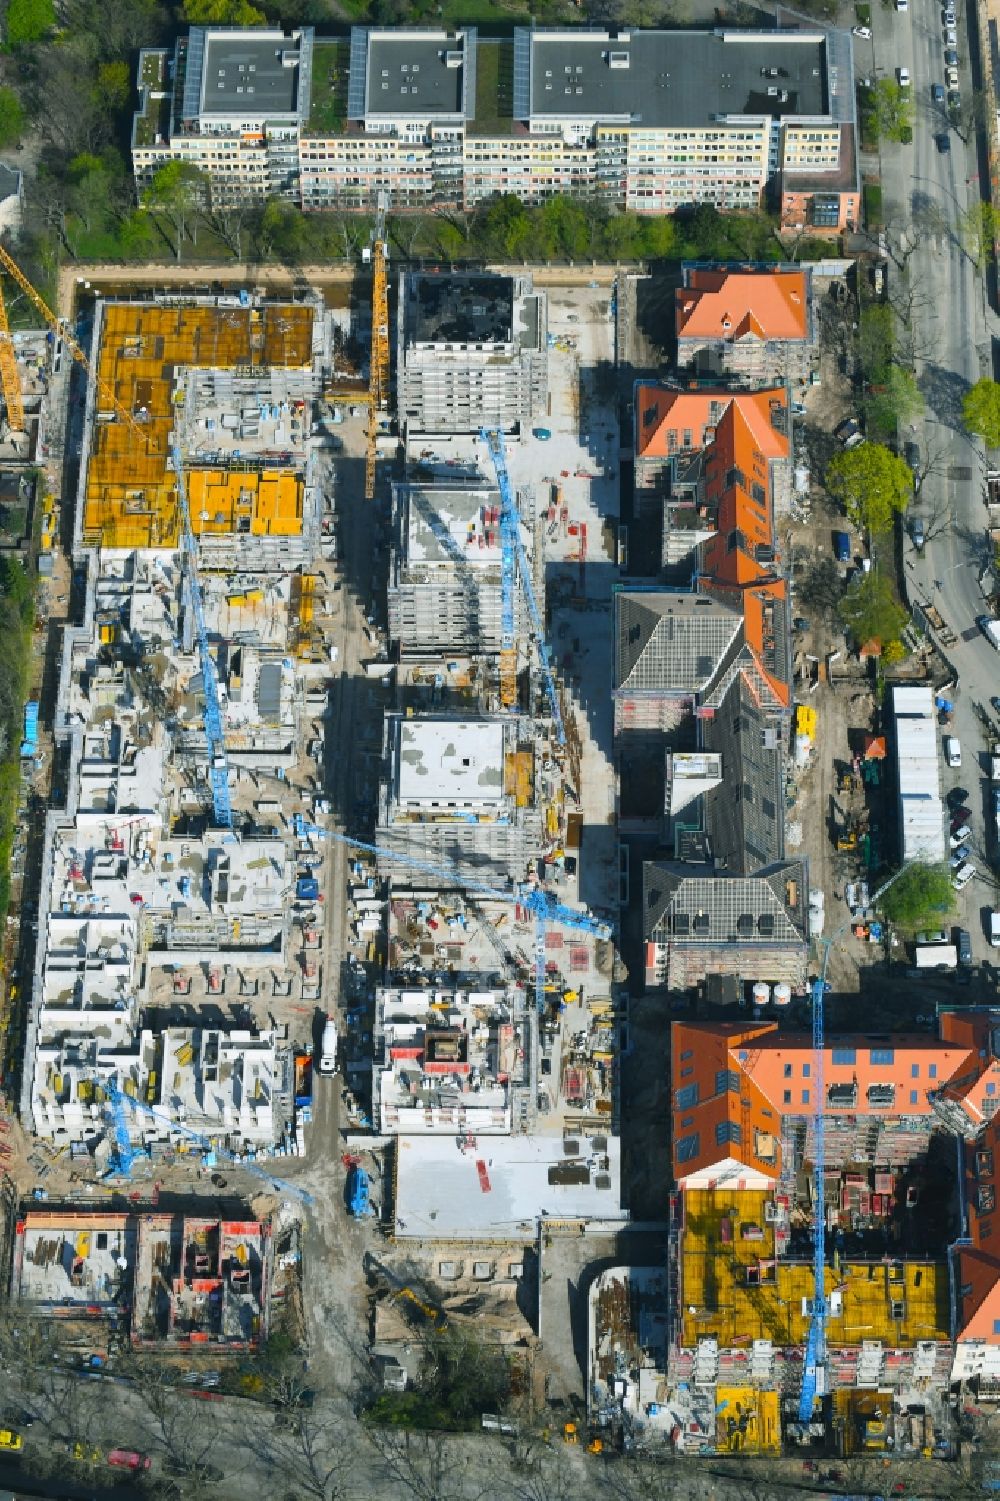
x=925, y=194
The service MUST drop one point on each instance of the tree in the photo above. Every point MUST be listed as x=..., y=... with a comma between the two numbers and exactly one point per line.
x=921, y=894
x=894, y=402
x=823, y=587
x=114, y=86
x=981, y=411
x=979, y=230
x=223, y=13
x=11, y=117
x=876, y=339
x=893, y=110
x=871, y=610
x=871, y=483
x=176, y=195
x=28, y=21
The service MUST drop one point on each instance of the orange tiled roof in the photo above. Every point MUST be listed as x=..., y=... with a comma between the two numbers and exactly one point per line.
x=660, y=412
x=734, y=304
x=775, y=1072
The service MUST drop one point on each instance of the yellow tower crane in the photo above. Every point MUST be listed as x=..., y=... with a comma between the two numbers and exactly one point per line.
x=379, y=372
x=9, y=377
x=58, y=326
x=376, y=397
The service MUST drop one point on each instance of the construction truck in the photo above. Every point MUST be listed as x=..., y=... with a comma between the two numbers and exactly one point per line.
x=937, y=624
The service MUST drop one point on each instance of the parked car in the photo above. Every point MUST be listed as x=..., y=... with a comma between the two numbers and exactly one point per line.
x=963, y=942
x=937, y=93
x=958, y=839
x=953, y=751
x=942, y=142
x=951, y=37
x=948, y=15
x=10, y=1440
x=903, y=77
x=956, y=797
x=933, y=935
x=842, y=547
x=917, y=531
x=951, y=77
x=963, y=876
x=862, y=31
x=128, y=1459
x=951, y=57
x=960, y=856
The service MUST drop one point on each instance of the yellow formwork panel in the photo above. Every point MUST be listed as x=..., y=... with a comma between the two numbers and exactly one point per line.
x=747, y=1421
x=264, y=504
x=131, y=498
x=736, y=1290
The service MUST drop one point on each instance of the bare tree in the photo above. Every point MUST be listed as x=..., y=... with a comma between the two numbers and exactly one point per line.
x=431, y=1467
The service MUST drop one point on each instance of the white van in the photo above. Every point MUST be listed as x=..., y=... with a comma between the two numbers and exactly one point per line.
x=953, y=751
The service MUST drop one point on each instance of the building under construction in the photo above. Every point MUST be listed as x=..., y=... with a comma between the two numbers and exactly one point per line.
x=471, y=353
x=740, y=1268
x=445, y=569
x=466, y=795
x=234, y=381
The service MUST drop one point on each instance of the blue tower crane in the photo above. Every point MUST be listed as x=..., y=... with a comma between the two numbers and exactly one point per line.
x=119, y=1103
x=814, y=1365
x=543, y=908
x=513, y=557
x=218, y=768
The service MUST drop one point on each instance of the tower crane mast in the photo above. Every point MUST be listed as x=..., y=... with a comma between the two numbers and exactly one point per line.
x=514, y=558
x=59, y=327
x=218, y=767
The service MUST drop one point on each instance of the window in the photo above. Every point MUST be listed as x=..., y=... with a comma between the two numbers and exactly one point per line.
x=805, y=1097
x=914, y=1070
x=913, y=1096
x=788, y=1071
x=687, y=1147
x=686, y=1121
x=687, y=1072
x=688, y=1053
x=806, y=1070
x=728, y=1131
x=787, y=1097
x=991, y=1089
x=883, y=1057
x=845, y=1055
x=686, y=1096
x=932, y=1070
x=996, y=1326
x=727, y=1079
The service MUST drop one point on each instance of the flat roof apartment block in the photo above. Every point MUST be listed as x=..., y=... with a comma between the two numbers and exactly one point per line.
x=471, y=352
x=402, y=72
x=229, y=101
x=644, y=120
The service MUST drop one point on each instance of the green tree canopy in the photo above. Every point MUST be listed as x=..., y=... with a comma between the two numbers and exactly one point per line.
x=893, y=401
x=893, y=110
x=871, y=483
x=981, y=411
x=871, y=610
x=923, y=893
x=11, y=117
x=28, y=21
x=223, y=13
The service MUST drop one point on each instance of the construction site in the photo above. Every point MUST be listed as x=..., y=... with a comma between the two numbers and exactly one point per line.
x=154, y=1280
x=375, y=772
